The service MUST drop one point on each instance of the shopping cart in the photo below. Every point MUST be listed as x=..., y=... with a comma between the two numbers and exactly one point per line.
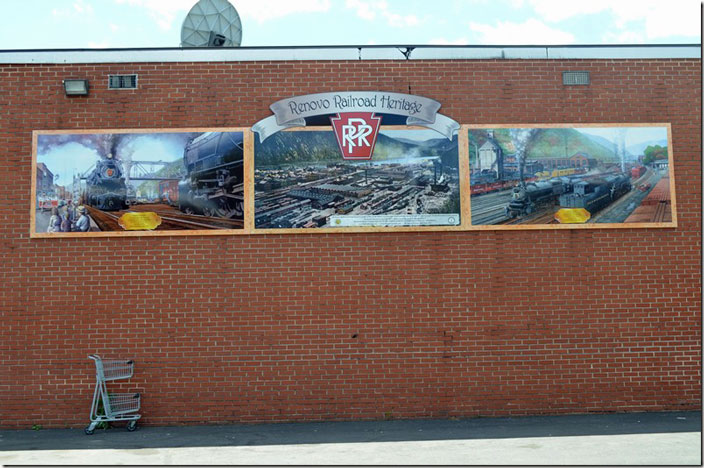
x=112, y=406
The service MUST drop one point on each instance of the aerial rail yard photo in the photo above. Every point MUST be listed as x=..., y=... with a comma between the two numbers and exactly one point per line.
x=301, y=181
x=579, y=175
x=98, y=182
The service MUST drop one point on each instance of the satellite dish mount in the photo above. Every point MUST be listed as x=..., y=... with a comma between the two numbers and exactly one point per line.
x=212, y=23
x=216, y=40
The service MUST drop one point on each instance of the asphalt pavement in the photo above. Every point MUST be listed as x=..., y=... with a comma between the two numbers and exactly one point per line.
x=670, y=438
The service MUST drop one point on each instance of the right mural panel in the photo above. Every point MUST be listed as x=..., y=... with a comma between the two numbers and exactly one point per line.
x=555, y=175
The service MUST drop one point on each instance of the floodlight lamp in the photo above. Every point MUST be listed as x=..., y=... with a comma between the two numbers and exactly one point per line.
x=74, y=87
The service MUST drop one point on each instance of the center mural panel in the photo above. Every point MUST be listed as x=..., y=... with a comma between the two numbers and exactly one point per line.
x=302, y=181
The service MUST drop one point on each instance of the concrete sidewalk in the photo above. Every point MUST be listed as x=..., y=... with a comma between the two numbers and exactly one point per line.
x=613, y=439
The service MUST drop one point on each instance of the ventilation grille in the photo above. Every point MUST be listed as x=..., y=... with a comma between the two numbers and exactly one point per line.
x=122, y=81
x=572, y=78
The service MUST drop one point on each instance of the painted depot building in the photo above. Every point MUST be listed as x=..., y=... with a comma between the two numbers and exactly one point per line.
x=307, y=234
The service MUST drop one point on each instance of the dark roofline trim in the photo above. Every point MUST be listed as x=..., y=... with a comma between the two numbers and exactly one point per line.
x=338, y=52
x=376, y=46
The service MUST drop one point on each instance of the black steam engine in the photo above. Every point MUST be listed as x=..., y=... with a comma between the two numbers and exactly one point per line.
x=595, y=194
x=526, y=198
x=592, y=194
x=214, y=182
x=105, y=186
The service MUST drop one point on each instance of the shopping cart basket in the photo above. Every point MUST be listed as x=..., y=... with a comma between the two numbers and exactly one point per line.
x=115, y=406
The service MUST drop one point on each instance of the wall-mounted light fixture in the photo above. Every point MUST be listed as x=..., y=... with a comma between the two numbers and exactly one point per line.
x=76, y=87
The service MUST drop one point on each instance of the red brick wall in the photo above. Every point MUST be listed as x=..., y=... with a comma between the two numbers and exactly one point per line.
x=353, y=326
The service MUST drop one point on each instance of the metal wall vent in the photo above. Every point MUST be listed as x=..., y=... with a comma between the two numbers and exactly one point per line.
x=122, y=81
x=571, y=78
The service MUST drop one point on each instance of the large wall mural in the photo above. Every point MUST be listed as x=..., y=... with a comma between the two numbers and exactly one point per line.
x=354, y=162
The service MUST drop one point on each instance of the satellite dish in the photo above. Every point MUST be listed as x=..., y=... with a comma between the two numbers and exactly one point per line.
x=212, y=23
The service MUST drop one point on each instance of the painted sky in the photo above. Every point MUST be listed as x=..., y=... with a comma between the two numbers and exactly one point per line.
x=157, y=23
x=74, y=159
x=633, y=135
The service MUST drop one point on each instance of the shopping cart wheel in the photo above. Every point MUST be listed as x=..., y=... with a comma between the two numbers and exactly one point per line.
x=131, y=426
x=89, y=431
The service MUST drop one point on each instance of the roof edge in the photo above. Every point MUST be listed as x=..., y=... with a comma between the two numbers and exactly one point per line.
x=383, y=52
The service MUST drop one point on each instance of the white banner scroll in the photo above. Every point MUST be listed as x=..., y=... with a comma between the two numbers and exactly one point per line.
x=292, y=112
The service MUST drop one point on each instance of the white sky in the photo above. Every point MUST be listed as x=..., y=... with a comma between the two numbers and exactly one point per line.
x=50, y=24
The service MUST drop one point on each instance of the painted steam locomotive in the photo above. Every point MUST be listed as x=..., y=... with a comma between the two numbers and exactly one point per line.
x=525, y=199
x=214, y=182
x=592, y=194
x=105, y=186
x=595, y=194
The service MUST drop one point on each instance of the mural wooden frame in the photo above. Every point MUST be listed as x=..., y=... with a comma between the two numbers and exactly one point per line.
x=464, y=188
x=247, y=140
x=634, y=225
x=249, y=192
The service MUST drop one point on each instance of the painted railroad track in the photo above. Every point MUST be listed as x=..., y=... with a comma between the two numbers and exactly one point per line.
x=171, y=220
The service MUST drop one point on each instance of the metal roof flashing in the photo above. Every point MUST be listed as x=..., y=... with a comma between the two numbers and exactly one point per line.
x=337, y=53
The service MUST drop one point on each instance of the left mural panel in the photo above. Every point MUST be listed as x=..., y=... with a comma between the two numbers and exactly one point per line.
x=138, y=182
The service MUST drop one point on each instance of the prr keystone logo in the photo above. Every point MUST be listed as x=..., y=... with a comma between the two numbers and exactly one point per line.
x=356, y=117
x=356, y=133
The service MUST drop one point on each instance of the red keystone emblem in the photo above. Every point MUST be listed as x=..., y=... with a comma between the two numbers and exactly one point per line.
x=356, y=133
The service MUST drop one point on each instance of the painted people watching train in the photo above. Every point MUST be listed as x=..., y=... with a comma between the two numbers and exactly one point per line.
x=54, y=221
x=83, y=222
